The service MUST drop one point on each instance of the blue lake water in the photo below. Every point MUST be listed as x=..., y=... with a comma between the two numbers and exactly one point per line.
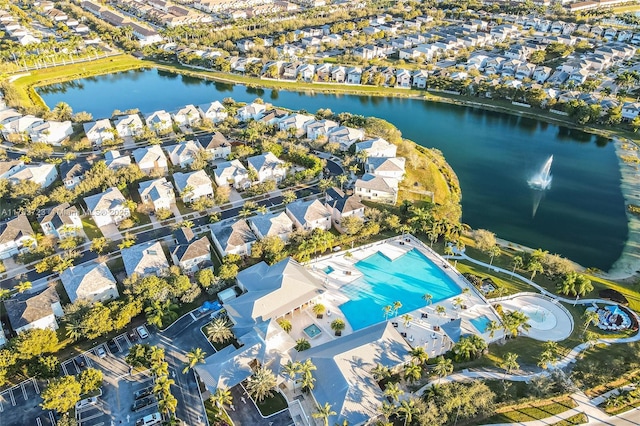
x=384, y=281
x=582, y=216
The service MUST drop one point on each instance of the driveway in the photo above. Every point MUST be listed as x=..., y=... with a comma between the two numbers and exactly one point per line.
x=246, y=412
x=111, y=231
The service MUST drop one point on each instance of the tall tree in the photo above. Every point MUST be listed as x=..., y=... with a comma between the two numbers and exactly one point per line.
x=260, y=385
x=323, y=412
x=61, y=394
x=194, y=357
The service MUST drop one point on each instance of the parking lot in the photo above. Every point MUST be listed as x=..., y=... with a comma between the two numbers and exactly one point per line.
x=20, y=406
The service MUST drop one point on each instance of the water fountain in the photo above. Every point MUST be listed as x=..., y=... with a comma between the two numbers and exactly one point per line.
x=542, y=180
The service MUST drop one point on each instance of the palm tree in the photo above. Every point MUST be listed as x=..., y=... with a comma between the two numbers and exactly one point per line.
x=427, y=298
x=323, y=412
x=302, y=345
x=406, y=319
x=163, y=385
x=494, y=252
x=194, y=357
x=419, y=355
x=260, y=385
x=387, y=410
x=443, y=367
x=338, y=325
x=407, y=410
x=285, y=324
x=492, y=327
x=590, y=318
x=458, y=302
x=583, y=286
x=168, y=404
x=160, y=313
x=380, y=372
x=412, y=372
x=534, y=267
x=396, y=305
x=23, y=286
x=441, y=310
x=221, y=397
x=590, y=338
x=393, y=391
x=74, y=329
x=219, y=331
x=319, y=309
x=291, y=370
x=387, y=311
x=509, y=363
x=464, y=349
x=517, y=263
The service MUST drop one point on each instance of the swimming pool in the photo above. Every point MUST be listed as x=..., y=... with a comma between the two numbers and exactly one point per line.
x=312, y=331
x=384, y=281
x=480, y=323
x=328, y=270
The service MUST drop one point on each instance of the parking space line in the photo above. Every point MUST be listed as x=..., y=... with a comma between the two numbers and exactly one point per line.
x=38, y=421
x=24, y=391
x=1, y=405
x=13, y=400
x=53, y=420
x=35, y=386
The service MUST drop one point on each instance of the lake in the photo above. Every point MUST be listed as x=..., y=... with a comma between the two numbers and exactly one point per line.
x=582, y=216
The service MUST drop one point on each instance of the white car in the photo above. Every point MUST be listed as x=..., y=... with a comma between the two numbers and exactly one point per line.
x=101, y=352
x=142, y=332
x=151, y=419
x=86, y=402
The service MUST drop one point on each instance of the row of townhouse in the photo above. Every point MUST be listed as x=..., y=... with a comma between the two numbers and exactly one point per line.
x=144, y=35
x=238, y=236
x=160, y=122
x=162, y=12
x=13, y=28
x=17, y=127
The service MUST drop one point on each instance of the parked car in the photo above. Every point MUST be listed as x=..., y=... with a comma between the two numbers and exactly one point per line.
x=80, y=361
x=143, y=392
x=86, y=402
x=113, y=346
x=101, y=352
x=142, y=332
x=151, y=419
x=133, y=336
x=139, y=404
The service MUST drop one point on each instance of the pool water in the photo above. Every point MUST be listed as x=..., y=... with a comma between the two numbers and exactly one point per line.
x=384, y=281
x=328, y=270
x=480, y=323
x=312, y=331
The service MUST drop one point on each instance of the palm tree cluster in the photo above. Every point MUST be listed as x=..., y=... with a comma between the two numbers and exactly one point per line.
x=515, y=322
x=469, y=347
x=167, y=403
x=550, y=355
x=301, y=373
x=575, y=284
x=260, y=385
x=219, y=331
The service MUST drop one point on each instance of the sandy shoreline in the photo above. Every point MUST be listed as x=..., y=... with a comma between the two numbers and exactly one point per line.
x=628, y=263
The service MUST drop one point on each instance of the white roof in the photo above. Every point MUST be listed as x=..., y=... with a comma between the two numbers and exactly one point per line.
x=86, y=279
x=144, y=259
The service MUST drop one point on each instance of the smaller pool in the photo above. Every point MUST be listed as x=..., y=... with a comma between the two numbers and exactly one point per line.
x=328, y=270
x=312, y=331
x=481, y=323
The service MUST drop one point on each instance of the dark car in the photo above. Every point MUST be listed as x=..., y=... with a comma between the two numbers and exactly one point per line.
x=143, y=392
x=80, y=361
x=144, y=402
x=113, y=346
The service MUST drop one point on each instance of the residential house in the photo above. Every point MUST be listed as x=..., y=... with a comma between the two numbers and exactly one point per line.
x=19, y=128
x=191, y=254
x=271, y=225
x=340, y=205
x=377, y=147
x=391, y=167
x=183, y=154
x=324, y=72
x=233, y=237
x=115, y=160
x=403, y=79
x=145, y=259
x=51, y=132
x=108, y=207
x=43, y=174
x=308, y=215
x=62, y=221
x=318, y=128
x=216, y=144
x=157, y=194
x=92, y=281
x=354, y=75
x=579, y=77
x=306, y=72
x=377, y=188
x=525, y=71
x=159, y=122
x=232, y=173
x=99, y=131
x=252, y=111
x=630, y=110
x=338, y=74
x=541, y=74
x=16, y=236
x=273, y=116
x=187, y=116
x=72, y=171
x=214, y=111
x=193, y=186
x=295, y=123
x=129, y=126
x=267, y=167
x=345, y=136
x=420, y=78
x=151, y=160
x=39, y=310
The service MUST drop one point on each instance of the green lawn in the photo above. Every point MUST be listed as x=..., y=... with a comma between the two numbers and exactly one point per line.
x=272, y=404
x=531, y=411
x=140, y=218
x=578, y=419
x=90, y=228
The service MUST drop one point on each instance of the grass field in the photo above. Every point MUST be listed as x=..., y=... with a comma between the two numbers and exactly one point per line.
x=531, y=411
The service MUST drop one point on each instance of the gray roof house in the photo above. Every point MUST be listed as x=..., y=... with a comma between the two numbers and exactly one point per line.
x=217, y=144
x=157, y=193
x=151, y=159
x=34, y=310
x=108, y=207
x=341, y=205
x=309, y=215
x=386, y=167
x=183, y=154
x=232, y=173
x=62, y=221
x=190, y=253
x=272, y=224
x=377, y=188
x=16, y=236
x=90, y=281
x=232, y=237
x=145, y=259
x=346, y=382
x=115, y=160
x=267, y=166
x=194, y=185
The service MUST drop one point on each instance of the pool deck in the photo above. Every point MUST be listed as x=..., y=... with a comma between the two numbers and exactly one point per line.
x=420, y=331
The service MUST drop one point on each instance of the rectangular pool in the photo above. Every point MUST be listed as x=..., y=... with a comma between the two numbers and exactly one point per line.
x=312, y=331
x=480, y=323
x=384, y=281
